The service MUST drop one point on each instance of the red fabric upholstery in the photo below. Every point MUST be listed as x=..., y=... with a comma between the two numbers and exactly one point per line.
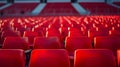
x=49, y=58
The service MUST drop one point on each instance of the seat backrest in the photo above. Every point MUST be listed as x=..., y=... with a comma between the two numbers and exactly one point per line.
x=52, y=32
x=107, y=42
x=74, y=34
x=12, y=58
x=49, y=58
x=114, y=33
x=16, y=43
x=93, y=34
x=46, y=43
x=94, y=58
x=118, y=57
x=73, y=43
x=10, y=33
x=5, y=34
x=31, y=35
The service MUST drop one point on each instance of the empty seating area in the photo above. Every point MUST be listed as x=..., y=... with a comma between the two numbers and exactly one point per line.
x=12, y=58
x=59, y=58
x=100, y=8
x=61, y=27
x=59, y=33
x=69, y=39
x=19, y=8
x=59, y=9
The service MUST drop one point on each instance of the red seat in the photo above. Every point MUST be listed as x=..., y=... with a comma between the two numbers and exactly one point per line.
x=31, y=35
x=75, y=34
x=93, y=34
x=12, y=58
x=53, y=33
x=46, y=43
x=118, y=57
x=16, y=43
x=108, y=42
x=63, y=31
x=114, y=33
x=49, y=58
x=73, y=43
x=94, y=58
x=5, y=34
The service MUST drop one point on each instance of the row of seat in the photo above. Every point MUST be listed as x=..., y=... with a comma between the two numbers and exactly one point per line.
x=81, y=23
x=62, y=34
x=71, y=43
x=100, y=8
x=59, y=58
x=19, y=8
x=60, y=26
x=59, y=9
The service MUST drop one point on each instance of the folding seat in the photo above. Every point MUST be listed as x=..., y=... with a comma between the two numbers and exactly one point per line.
x=54, y=33
x=6, y=27
x=74, y=34
x=21, y=29
x=10, y=33
x=94, y=58
x=73, y=43
x=107, y=42
x=12, y=58
x=31, y=35
x=5, y=34
x=118, y=57
x=63, y=32
x=41, y=30
x=114, y=33
x=93, y=34
x=16, y=43
x=116, y=28
x=49, y=58
x=98, y=31
x=46, y=43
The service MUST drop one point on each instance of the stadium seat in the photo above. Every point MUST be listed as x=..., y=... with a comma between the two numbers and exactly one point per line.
x=12, y=58
x=16, y=43
x=118, y=57
x=63, y=32
x=53, y=33
x=93, y=34
x=31, y=35
x=74, y=32
x=94, y=58
x=49, y=58
x=5, y=34
x=108, y=42
x=73, y=43
x=46, y=43
x=114, y=33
